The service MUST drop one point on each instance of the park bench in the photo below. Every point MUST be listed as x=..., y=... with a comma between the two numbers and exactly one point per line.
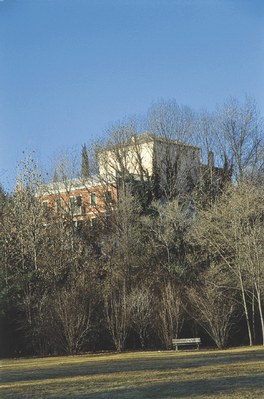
x=186, y=341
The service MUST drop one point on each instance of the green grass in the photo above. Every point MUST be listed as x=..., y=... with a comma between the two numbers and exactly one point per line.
x=236, y=373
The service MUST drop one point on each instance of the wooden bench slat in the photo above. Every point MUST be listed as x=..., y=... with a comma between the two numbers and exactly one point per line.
x=186, y=340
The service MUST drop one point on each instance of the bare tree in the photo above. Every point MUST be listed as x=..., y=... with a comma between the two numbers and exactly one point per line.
x=170, y=312
x=252, y=245
x=166, y=231
x=240, y=136
x=172, y=121
x=24, y=231
x=122, y=255
x=213, y=305
x=142, y=315
x=117, y=312
x=41, y=253
x=73, y=310
x=228, y=232
x=178, y=158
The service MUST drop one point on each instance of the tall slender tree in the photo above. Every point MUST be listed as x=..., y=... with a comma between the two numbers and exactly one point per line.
x=85, y=171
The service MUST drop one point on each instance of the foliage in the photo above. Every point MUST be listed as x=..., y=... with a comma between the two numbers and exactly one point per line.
x=160, y=260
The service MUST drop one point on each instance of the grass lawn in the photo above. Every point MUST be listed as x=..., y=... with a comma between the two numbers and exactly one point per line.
x=234, y=373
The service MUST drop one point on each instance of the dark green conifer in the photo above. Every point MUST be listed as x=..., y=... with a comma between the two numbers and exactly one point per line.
x=55, y=176
x=85, y=172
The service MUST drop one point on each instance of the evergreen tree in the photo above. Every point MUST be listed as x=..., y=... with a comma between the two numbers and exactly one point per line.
x=85, y=172
x=55, y=176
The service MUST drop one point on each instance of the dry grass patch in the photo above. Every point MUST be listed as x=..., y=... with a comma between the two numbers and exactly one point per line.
x=225, y=374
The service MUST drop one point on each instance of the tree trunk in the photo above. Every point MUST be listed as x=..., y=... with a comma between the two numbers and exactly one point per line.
x=246, y=310
x=260, y=313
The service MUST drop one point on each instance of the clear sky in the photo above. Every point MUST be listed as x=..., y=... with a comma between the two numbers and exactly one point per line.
x=68, y=68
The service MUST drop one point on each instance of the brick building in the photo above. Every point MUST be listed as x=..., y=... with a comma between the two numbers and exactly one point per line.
x=80, y=198
x=140, y=157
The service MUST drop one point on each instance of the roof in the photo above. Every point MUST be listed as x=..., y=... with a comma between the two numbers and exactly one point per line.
x=147, y=137
x=71, y=185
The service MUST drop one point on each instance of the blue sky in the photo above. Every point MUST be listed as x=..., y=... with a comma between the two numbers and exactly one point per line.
x=68, y=68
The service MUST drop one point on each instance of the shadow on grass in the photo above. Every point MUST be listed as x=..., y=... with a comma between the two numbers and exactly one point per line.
x=248, y=387
x=210, y=387
x=163, y=362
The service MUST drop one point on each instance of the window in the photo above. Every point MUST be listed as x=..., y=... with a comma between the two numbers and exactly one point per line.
x=75, y=205
x=94, y=222
x=58, y=205
x=78, y=200
x=93, y=199
x=108, y=196
x=78, y=225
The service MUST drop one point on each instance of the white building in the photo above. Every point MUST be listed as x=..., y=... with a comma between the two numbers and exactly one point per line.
x=145, y=155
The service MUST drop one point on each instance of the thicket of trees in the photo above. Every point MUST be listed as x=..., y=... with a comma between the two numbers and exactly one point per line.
x=160, y=265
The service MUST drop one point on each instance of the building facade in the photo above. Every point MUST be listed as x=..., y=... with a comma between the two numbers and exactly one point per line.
x=176, y=166
x=81, y=199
